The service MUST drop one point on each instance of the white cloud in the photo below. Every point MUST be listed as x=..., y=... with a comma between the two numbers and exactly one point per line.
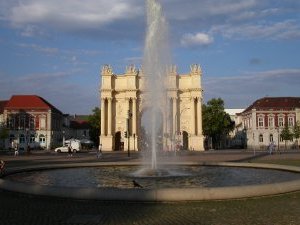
x=57, y=88
x=198, y=39
x=287, y=29
x=118, y=19
x=46, y=50
x=190, y=9
x=31, y=31
x=71, y=14
x=240, y=91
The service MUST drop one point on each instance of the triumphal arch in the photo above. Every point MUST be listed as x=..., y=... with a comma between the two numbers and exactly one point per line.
x=123, y=105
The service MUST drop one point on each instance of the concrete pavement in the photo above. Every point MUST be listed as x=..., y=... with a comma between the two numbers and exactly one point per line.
x=26, y=209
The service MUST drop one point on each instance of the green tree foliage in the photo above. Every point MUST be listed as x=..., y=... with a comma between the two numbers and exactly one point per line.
x=296, y=131
x=94, y=120
x=3, y=132
x=286, y=134
x=216, y=122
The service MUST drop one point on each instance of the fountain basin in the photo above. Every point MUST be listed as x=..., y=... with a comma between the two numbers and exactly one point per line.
x=159, y=193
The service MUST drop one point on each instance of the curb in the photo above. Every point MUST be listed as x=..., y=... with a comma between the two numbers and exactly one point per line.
x=153, y=195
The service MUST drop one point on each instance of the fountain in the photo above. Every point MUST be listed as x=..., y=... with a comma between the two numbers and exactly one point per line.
x=155, y=61
x=187, y=182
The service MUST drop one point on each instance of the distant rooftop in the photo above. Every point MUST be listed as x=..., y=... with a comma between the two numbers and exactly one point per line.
x=2, y=105
x=275, y=103
x=29, y=102
x=232, y=112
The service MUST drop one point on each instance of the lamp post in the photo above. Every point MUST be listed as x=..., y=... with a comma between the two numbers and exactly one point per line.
x=127, y=128
x=26, y=136
x=278, y=148
x=133, y=142
x=63, y=137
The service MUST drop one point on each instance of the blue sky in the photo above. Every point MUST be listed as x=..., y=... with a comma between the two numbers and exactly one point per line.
x=247, y=49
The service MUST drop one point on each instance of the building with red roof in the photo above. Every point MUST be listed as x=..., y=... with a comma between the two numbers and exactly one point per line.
x=264, y=120
x=2, y=105
x=2, y=123
x=32, y=121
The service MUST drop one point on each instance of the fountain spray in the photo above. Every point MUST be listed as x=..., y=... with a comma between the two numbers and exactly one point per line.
x=155, y=61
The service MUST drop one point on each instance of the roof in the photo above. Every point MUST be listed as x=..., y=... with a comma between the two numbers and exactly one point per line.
x=2, y=105
x=29, y=102
x=233, y=112
x=79, y=122
x=275, y=103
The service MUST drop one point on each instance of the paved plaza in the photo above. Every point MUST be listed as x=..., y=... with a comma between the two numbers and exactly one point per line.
x=28, y=209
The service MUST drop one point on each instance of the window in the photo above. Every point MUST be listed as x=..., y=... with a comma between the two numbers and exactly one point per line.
x=260, y=122
x=271, y=122
x=22, y=138
x=32, y=138
x=280, y=122
x=11, y=122
x=42, y=138
x=31, y=123
x=22, y=122
x=11, y=138
x=291, y=121
x=43, y=123
x=281, y=139
x=271, y=138
x=261, y=138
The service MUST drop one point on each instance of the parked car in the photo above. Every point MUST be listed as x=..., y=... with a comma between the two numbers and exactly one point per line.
x=75, y=145
x=62, y=149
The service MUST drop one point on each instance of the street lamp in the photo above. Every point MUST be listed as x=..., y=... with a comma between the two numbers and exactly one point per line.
x=133, y=142
x=127, y=129
x=278, y=129
x=63, y=137
x=27, y=145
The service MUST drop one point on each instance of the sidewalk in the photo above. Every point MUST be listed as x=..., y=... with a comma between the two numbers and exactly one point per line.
x=21, y=209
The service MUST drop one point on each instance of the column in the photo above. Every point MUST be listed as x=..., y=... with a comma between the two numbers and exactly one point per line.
x=174, y=115
x=199, y=117
x=193, y=116
x=134, y=116
x=109, y=116
x=169, y=118
x=126, y=115
x=102, y=117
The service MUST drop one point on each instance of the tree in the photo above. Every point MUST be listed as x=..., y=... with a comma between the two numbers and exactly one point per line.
x=94, y=121
x=216, y=122
x=4, y=132
x=286, y=135
x=296, y=132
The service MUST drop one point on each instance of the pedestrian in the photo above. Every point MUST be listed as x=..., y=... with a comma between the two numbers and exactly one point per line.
x=271, y=147
x=70, y=150
x=2, y=166
x=99, y=151
x=28, y=149
x=16, y=149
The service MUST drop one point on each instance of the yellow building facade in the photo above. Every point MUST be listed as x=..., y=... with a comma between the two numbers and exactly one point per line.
x=123, y=104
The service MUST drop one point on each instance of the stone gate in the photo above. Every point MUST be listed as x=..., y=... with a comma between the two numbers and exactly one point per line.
x=123, y=104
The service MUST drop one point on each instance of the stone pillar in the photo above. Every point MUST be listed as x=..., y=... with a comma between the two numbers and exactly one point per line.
x=174, y=115
x=102, y=117
x=193, y=116
x=126, y=115
x=109, y=117
x=134, y=116
x=199, y=117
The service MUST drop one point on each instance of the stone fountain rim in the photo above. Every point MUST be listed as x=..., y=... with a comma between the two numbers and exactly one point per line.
x=153, y=195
